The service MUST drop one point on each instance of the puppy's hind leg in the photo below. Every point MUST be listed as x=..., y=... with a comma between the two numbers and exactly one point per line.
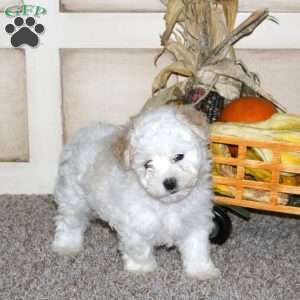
x=71, y=223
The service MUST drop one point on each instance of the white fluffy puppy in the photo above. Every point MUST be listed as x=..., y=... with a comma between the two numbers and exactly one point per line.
x=150, y=181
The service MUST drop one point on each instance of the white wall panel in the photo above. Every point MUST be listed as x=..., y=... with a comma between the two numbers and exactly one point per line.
x=13, y=106
x=105, y=85
x=279, y=71
x=155, y=5
x=111, y=5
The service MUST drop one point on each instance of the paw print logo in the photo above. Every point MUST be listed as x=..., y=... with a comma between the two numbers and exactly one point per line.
x=24, y=32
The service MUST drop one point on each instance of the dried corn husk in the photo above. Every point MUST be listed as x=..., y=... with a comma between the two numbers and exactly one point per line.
x=174, y=14
x=235, y=70
x=167, y=95
x=280, y=122
x=200, y=36
x=230, y=8
x=179, y=67
x=280, y=127
x=249, y=132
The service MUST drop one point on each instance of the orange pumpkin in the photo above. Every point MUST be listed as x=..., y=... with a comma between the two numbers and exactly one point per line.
x=248, y=110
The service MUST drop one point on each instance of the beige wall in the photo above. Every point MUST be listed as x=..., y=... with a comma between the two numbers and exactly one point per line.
x=279, y=72
x=107, y=85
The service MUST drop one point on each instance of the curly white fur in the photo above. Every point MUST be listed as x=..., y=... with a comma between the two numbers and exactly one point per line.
x=150, y=181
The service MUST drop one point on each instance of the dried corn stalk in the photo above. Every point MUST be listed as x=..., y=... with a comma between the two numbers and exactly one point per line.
x=200, y=36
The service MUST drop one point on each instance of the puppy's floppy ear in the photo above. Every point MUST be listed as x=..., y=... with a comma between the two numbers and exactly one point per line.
x=195, y=119
x=121, y=149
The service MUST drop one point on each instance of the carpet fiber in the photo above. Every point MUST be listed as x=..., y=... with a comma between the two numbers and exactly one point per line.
x=260, y=261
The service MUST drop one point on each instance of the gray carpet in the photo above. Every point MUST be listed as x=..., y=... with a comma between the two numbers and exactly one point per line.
x=261, y=261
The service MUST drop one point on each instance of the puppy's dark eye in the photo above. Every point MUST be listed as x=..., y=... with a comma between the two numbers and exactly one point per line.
x=147, y=164
x=178, y=157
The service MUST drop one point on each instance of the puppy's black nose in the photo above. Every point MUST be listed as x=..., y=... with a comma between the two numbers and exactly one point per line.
x=170, y=184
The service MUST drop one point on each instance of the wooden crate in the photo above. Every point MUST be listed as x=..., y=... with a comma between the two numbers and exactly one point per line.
x=239, y=181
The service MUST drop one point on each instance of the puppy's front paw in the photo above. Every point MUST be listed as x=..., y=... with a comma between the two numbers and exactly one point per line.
x=203, y=272
x=138, y=267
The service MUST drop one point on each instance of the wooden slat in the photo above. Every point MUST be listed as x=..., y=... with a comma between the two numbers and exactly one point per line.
x=286, y=146
x=258, y=205
x=288, y=189
x=240, y=172
x=275, y=176
x=289, y=168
